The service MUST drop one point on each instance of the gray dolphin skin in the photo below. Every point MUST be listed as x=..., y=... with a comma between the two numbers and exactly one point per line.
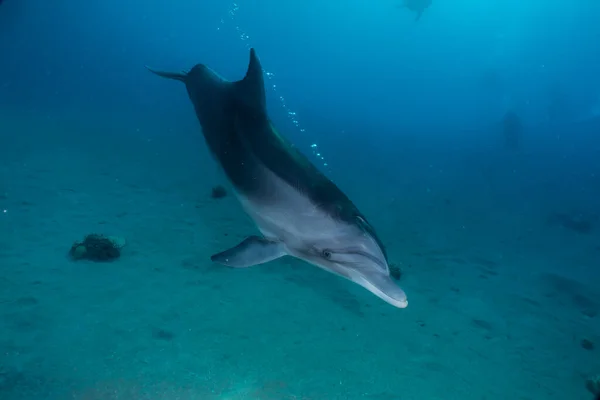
x=298, y=210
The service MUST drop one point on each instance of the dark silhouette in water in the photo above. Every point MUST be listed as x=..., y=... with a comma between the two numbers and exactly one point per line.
x=417, y=6
x=593, y=385
x=511, y=129
x=580, y=223
x=218, y=192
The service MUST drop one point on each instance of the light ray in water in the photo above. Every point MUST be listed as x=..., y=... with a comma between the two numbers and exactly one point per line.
x=230, y=18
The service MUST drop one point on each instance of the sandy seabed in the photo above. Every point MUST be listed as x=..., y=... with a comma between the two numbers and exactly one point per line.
x=498, y=304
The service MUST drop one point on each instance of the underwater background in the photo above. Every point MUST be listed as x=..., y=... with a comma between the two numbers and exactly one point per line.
x=470, y=138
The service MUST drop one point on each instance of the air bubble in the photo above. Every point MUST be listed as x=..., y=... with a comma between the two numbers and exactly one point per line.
x=244, y=37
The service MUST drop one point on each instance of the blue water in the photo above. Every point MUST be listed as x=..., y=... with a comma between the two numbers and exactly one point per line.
x=469, y=138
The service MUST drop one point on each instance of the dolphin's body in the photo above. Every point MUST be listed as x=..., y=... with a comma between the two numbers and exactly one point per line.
x=298, y=210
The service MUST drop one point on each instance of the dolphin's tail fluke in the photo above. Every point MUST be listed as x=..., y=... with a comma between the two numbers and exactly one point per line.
x=179, y=76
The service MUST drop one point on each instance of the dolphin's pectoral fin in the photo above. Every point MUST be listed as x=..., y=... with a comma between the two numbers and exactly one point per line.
x=178, y=76
x=251, y=251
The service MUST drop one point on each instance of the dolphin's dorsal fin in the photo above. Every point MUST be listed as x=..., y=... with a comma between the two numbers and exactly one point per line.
x=251, y=89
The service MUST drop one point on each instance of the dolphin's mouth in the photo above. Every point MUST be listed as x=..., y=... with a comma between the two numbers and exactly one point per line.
x=385, y=288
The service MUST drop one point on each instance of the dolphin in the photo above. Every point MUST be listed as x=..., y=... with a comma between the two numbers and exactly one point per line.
x=297, y=209
x=417, y=6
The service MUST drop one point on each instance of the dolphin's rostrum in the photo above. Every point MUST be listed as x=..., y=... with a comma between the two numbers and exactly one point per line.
x=298, y=210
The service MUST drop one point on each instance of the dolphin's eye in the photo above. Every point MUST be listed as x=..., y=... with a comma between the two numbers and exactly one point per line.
x=326, y=254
